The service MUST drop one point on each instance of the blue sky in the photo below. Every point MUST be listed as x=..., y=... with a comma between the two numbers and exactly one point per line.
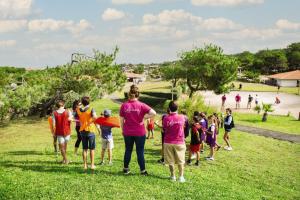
x=39, y=33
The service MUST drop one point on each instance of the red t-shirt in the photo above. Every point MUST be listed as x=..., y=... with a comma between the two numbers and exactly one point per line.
x=62, y=123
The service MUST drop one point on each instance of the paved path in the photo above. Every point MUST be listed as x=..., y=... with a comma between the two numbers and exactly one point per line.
x=289, y=102
x=269, y=133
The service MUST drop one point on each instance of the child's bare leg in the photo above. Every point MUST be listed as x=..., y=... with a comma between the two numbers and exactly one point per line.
x=62, y=150
x=109, y=155
x=198, y=156
x=55, y=143
x=226, y=139
x=211, y=151
x=84, y=156
x=152, y=133
x=102, y=155
x=92, y=154
x=181, y=169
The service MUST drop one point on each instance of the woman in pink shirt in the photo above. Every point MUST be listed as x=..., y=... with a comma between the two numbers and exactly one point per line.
x=132, y=114
x=174, y=144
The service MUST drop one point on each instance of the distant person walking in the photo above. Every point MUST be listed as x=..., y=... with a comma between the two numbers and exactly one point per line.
x=240, y=86
x=228, y=125
x=223, y=102
x=238, y=100
x=52, y=129
x=256, y=100
x=174, y=147
x=132, y=114
x=250, y=99
x=62, y=120
x=76, y=105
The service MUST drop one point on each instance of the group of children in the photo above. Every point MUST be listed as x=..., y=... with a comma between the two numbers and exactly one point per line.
x=203, y=130
x=84, y=116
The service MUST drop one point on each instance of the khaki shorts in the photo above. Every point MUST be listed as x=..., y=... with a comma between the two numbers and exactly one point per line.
x=174, y=154
x=63, y=139
x=107, y=143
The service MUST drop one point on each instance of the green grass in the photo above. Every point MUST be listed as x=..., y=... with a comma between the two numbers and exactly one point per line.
x=258, y=168
x=257, y=87
x=275, y=122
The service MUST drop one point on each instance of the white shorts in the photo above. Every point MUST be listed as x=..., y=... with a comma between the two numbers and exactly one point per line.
x=107, y=143
x=63, y=139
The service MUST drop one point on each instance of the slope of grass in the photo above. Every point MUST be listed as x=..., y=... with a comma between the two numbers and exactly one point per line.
x=275, y=122
x=257, y=87
x=258, y=168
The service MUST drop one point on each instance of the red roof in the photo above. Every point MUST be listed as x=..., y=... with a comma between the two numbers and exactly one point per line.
x=292, y=75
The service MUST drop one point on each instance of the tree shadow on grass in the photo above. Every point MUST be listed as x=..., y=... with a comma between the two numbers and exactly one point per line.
x=21, y=153
x=250, y=120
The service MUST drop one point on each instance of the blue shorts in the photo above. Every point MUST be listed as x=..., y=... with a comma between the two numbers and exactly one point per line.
x=228, y=130
x=88, y=140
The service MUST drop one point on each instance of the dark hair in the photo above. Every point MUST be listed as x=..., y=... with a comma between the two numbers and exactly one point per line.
x=49, y=111
x=183, y=112
x=85, y=101
x=173, y=106
x=229, y=110
x=133, y=92
x=203, y=115
x=211, y=117
x=196, y=113
x=60, y=103
x=75, y=104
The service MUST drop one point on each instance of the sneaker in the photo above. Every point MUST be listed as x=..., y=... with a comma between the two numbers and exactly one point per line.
x=101, y=163
x=173, y=178
x=144, y=173
x=226, y=147
x=93, y=167
x=210, y=158
x=181, y=179
x=110, y=163
x=161, y=161
x=202, y=151
x=188, y=162
x=197, y=164
x=229, y=149
x=126, y=171
x=218, y=148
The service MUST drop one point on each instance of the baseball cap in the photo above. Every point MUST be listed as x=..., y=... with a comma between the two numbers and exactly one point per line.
x=107, y=112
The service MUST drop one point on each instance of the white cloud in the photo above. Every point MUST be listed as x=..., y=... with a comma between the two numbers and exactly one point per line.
x=57, y=46
x=7, y=43
x=167, y=17
x=12, y=25
x=119, y=2
x=288, y=25
x=112, y=14
x=249, y=33
x=219, y=24
x=44, y=25
x=225, y=2
x=15, y=8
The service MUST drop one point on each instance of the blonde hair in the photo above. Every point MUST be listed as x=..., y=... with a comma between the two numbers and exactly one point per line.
x=133, y=92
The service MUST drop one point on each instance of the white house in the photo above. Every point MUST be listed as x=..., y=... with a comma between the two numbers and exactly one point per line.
x=135, y=78
x=286, y=79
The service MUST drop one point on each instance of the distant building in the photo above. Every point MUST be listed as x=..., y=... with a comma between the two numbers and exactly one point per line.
x=286, y=79
x=135, y=78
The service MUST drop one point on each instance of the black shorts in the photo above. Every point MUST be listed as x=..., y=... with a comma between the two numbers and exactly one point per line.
x=88, y=140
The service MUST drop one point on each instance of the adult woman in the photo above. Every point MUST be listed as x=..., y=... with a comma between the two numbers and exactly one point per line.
x=132, y=114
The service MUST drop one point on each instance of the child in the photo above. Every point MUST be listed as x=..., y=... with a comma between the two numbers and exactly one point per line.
x=150, y=127
x=228, y=125
x=195, y=141
x=204, y=126
x=218, y=125
x=107, y=139
x=62, y=120
x=52, y=129
x=211, y=137
x=87, y=116
x=238, y=101
x=76, y=105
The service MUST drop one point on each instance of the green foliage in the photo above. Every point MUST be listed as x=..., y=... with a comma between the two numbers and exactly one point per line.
x=139, y=69
x=267, y=108
x=196, y=103
x=268, y=61
x=246, y=60
x=173, y=72
x=252, y=76
x=257, y=108
x=208, y=68
x=293, y=55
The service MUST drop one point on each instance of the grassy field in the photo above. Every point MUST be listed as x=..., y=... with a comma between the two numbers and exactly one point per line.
x=258, y=168
x=275, y=122
x=265, y=88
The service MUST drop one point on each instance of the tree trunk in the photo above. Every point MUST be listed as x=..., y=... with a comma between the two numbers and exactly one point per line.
x=191, y=93
x=264, y=118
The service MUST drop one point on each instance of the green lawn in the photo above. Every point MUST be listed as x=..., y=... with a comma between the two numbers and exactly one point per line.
x=275, y=122
x=265, y=88
x=258, y=168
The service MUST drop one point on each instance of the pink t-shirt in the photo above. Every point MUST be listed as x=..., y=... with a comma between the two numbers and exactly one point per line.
x=173, y=125
x=133, y=112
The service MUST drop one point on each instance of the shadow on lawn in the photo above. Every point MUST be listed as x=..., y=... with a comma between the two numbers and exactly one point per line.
x=250, y=120
x=21, y=153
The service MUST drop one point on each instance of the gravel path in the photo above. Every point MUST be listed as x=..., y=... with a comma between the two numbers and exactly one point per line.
x=269, y=133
